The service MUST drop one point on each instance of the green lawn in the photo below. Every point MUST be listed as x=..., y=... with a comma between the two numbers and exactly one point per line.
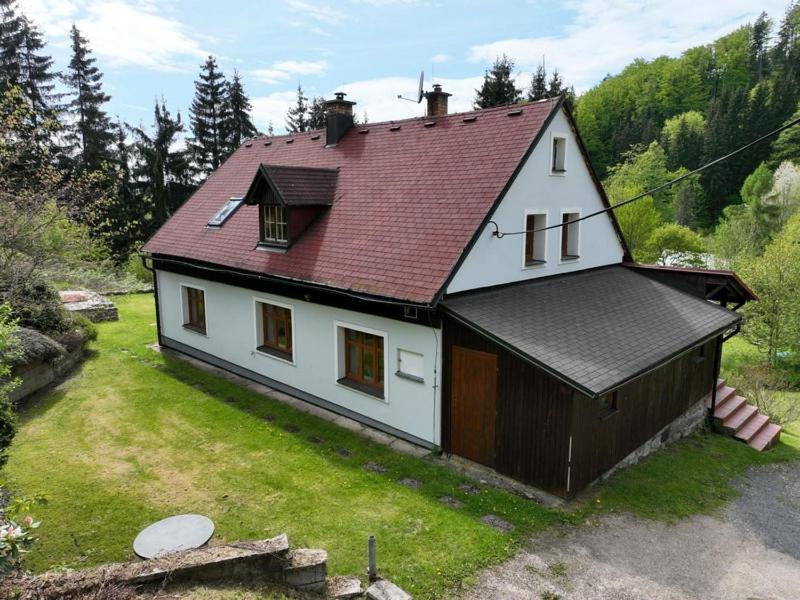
x=135, y=437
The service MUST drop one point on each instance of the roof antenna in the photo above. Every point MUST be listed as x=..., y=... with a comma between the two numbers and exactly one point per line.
x=420, y=93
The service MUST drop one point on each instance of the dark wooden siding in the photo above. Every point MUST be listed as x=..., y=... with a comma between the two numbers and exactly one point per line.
x=533, y=415
x=644, y=407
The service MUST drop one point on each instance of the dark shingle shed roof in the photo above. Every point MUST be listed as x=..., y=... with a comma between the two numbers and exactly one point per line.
x=595, y=329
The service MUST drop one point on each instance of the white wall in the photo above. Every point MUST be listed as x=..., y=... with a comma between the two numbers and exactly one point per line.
x=493, y=260
x=409, y=406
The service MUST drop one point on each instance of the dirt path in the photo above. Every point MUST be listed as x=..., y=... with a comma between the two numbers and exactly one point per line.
x=751, y=552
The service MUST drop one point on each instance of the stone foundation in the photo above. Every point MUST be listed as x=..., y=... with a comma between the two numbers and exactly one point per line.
x=91, y=305
x=686, y=424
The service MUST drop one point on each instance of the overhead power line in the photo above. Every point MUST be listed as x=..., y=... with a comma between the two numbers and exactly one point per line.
x=499, y=234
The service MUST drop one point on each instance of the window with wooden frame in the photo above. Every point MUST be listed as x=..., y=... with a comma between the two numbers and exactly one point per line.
x=363, y=361
x=569, y=236
x=535, y=246
x=194, y=315
x=275, y=333
x=559, y=158
x=607, y=404
x=274, y=228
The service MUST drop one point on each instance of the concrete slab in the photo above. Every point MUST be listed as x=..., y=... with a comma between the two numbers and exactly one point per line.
x=383, y=589
x=181, y=532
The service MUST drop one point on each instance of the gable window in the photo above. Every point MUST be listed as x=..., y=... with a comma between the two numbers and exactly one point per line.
x=361, y=360
x=194, y=308
x=559, y=158
x=607, y=404
x=273, y=224
x=535, y=241
x=570, y=236
x=274, y=330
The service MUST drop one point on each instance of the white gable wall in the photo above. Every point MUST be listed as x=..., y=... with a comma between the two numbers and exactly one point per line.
x=410, y=406
x=493, y=261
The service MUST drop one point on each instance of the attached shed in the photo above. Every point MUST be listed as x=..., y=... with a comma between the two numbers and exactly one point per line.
x=555, y=381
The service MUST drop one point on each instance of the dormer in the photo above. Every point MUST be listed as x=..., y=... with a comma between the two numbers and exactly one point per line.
x=288, y=200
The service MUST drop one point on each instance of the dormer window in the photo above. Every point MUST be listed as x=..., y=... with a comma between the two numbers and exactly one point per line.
x=289, y=200
x=274, y=228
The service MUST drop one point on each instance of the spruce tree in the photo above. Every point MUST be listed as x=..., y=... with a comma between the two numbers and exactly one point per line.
x=297, y=116
x=538, y=89
x=555, y=87
x=89, y=132
x=161, y=172
x=498, y=87
x=757, y=51
x=316, y=114
x=240, y=125
x=36, y=76
x=11, y=39
x=209, y=116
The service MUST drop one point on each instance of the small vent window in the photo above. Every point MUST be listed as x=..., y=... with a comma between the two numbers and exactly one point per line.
x=559, y=164
x=226, y=212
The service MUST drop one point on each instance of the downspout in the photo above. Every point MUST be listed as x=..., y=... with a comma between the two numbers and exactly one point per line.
x=155, y=294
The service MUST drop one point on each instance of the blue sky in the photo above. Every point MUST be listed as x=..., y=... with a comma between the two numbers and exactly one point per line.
x=371, y=49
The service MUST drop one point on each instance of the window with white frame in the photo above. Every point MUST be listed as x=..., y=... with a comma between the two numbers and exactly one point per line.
x=570, y=236
x=410, y=365
x=194, y=308
x=535, y=240
x=274, y=329
x=360, y=359
x=558, y=162
x=273, y=224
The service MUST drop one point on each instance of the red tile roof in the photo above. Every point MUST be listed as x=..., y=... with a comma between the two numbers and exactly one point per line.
x=407, y=202
x=299, y=186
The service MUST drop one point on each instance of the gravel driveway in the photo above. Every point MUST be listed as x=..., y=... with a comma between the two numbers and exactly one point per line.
x=751, y=552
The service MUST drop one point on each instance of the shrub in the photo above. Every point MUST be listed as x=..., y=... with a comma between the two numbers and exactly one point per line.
x=34, y=304
x=766, y=388
x=9, y=352
x=136, y=269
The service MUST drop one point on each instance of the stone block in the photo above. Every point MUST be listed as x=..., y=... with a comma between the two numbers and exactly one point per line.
x=383, y=589
x=343, y=588
x=306, y=569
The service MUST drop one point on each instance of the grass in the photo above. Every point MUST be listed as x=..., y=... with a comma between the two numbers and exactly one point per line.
x=696, y=475
x=136, y=437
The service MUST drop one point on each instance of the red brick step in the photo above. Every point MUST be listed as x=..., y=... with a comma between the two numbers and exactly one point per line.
x=736, y=420
x=765, y=438
x=752, y=427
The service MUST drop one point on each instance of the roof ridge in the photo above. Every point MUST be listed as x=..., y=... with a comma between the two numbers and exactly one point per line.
x=477, y=111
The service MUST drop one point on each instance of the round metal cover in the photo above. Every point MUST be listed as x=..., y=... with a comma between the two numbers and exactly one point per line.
x=181, y=532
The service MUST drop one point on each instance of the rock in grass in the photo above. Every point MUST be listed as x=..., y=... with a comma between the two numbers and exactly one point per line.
x=470, y=489
x=409, y=482
x=315, y=440
x=375, y=467
x=344, y=453
x=289, y=428
x=497, y=523
x=452, y=502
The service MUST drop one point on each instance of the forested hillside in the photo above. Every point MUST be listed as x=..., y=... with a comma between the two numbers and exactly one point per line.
x=699, y=106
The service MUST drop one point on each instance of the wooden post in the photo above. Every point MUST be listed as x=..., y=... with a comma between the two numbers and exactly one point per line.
x=372, y=572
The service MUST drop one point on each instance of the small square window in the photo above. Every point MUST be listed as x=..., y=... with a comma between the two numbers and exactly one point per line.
x=570, y=236
x=607, y=404
x=361, y=364
x=194, y=309
x=535, y=247
x=559, y=159
x=410, y=365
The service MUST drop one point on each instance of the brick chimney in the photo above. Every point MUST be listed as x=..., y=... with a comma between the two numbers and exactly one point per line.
x=437, y=101
x=338, y=118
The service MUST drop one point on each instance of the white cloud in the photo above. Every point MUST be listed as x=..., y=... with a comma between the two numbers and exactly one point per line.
x=272, y=108
x=440, y=58
x=319, y=12
x=607, y=34
x=282, y=70
x=122, y=32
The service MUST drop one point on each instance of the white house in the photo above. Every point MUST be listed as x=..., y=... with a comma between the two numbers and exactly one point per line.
x=442, y=278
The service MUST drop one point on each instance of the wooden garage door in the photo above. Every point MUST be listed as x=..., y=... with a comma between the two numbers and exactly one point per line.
x=472, y=407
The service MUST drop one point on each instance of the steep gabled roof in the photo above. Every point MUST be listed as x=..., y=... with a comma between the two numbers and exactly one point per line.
x=595, y=330
x=410, y=196
x=296, y=186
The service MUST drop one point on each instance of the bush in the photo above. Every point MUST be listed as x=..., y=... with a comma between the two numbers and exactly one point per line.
x=767, y=389
x=136, y=269
x=34, y=304
x=79, y=332
x=9, y=352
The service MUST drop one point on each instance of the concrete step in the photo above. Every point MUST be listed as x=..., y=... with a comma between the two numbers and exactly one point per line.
x=343, y=588
x=306, y=569
x=383, y=589
x=731, y=404
x=752, y=427
x=766, y=438
x=736, y=420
